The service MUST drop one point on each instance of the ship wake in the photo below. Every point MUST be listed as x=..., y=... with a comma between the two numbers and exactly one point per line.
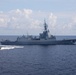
x=3, y=47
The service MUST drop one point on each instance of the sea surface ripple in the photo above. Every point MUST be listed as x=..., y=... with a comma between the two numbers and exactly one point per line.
x=38, y=60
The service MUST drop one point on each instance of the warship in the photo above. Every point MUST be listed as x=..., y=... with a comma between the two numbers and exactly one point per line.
x=44, y=38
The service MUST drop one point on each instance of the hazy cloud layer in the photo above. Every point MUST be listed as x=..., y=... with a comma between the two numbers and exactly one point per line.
x=23, y=21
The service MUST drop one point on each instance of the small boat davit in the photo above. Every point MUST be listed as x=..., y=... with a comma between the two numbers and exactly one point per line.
x=44, y=38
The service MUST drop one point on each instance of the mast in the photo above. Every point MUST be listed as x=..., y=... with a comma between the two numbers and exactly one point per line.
x=45, y=26
x=45, y=35
x=45, y=30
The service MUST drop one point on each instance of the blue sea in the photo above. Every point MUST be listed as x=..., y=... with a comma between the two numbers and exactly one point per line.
x=37, y=59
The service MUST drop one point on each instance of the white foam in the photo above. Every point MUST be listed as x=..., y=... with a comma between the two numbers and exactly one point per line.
x=9, y=47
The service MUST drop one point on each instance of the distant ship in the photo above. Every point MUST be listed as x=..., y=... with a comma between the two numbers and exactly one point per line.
x=44, y=38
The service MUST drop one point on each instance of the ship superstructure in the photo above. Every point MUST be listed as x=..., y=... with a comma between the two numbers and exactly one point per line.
x=45, y=35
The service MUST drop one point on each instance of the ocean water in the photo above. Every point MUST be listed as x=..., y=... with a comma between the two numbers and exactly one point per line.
x=37, y=60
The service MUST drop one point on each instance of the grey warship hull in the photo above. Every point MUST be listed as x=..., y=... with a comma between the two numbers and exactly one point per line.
x=37, y=42
x=43, y=39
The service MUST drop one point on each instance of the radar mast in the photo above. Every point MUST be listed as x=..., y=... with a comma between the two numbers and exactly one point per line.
x=45, y=25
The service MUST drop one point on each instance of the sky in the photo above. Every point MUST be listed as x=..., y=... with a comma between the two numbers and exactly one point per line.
x=21, y=17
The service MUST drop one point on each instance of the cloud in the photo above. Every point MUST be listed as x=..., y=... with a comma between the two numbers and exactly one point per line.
x=21, y=21
x=52, y=20
x=17, y=21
